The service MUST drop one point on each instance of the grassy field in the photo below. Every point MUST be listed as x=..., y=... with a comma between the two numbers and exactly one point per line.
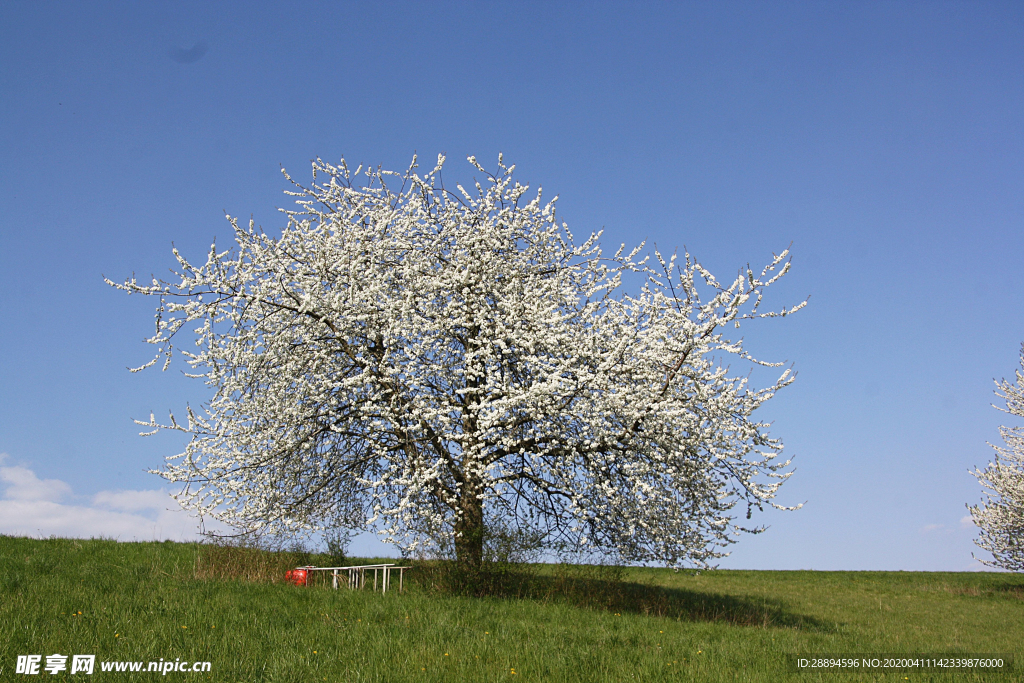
x=151, y=601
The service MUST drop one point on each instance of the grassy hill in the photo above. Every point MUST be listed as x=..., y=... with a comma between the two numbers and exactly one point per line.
x=151, y=601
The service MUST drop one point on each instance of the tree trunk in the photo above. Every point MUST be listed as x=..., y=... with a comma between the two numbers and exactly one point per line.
x=469, y=530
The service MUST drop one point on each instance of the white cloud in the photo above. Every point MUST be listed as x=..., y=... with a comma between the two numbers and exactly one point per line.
x=967, y=522
x=133, y=501
x=33, y=507
x=23, y=484
x=976, y=566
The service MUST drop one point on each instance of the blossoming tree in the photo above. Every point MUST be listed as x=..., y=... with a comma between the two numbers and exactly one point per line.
x=430, y=362
x=1001, y=517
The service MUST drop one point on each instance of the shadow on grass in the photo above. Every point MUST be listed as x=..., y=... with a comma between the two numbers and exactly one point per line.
x=1010, y=590
x=998, y=590
x=602, y=588
x=585, y=586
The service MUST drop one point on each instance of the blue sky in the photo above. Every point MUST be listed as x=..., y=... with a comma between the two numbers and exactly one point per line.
x=884, y=140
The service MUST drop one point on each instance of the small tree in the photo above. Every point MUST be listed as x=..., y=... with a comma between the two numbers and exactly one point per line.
x=421, y=361
x=1001, y=516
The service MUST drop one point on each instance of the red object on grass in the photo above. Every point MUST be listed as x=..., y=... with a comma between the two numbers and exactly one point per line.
x=296, y=576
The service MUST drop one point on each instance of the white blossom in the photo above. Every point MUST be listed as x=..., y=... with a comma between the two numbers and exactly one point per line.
x=1001, y=516
x=429, y=363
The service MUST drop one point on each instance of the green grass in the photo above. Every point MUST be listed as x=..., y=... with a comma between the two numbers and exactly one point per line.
x=147, y=601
